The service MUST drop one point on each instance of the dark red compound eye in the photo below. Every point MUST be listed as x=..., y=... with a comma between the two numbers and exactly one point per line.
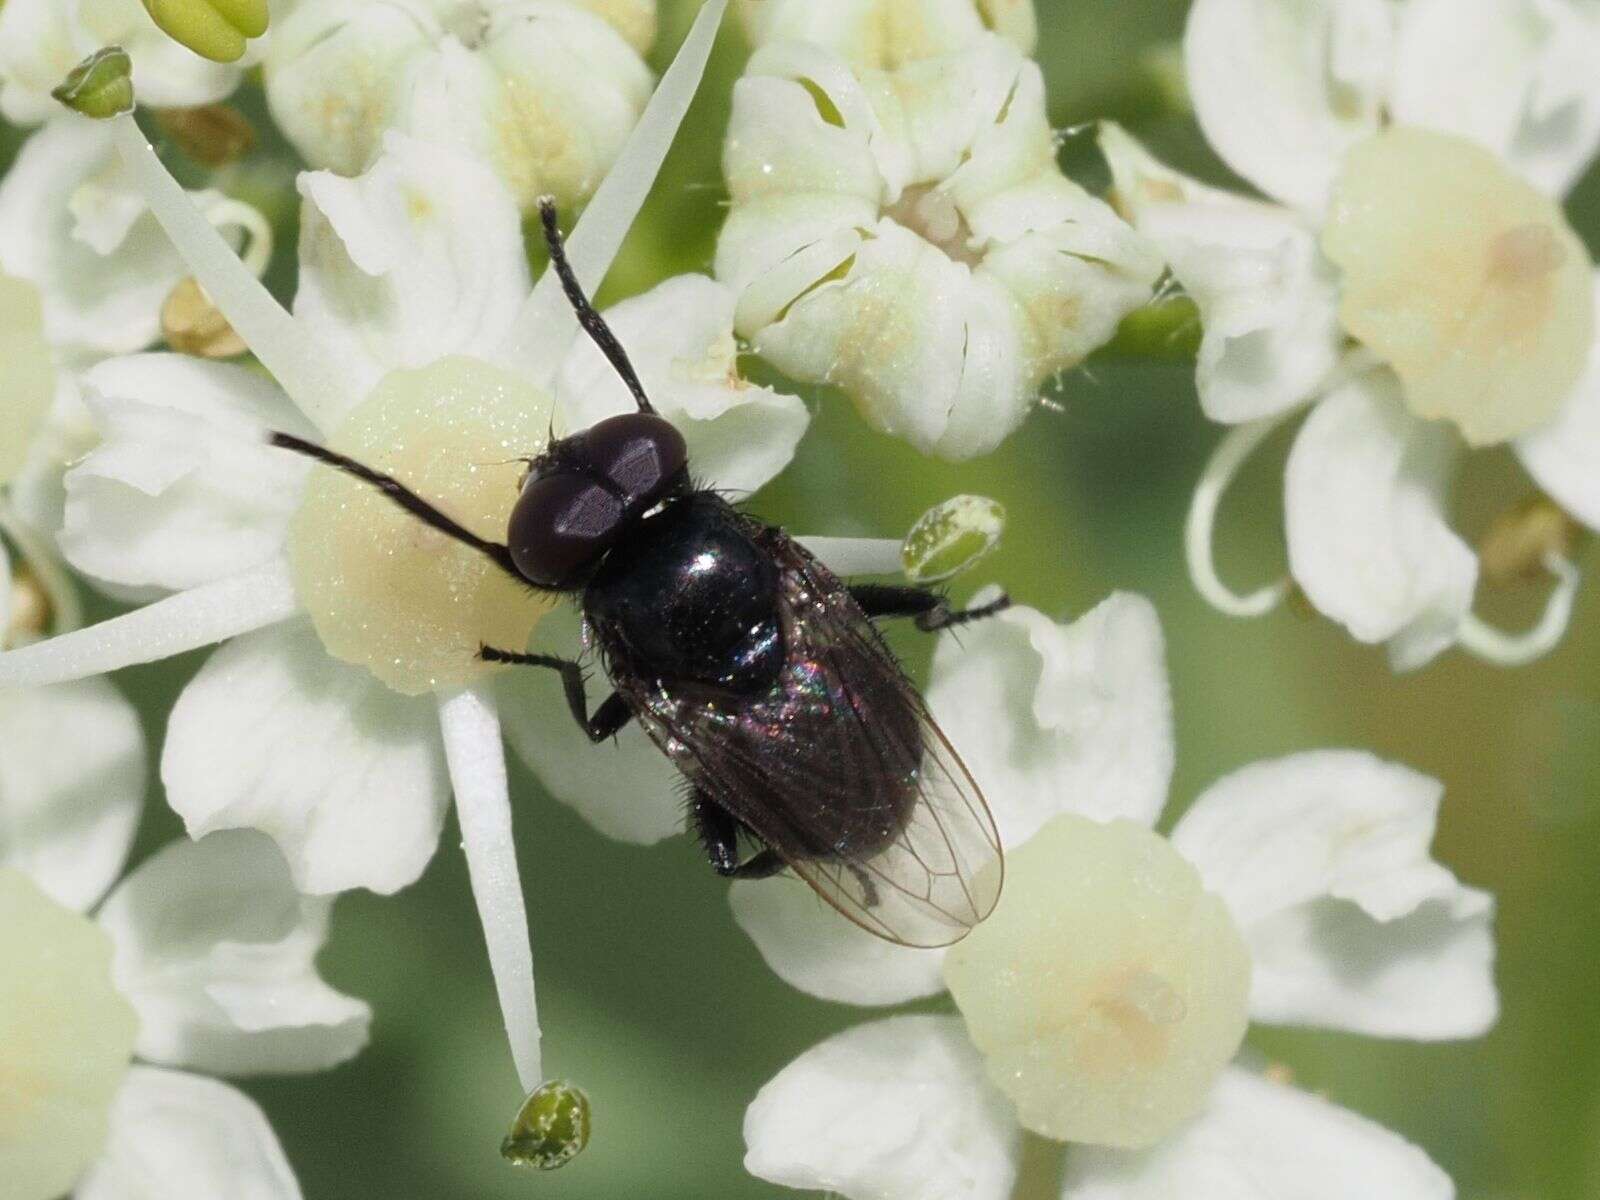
x=561, y=524
x=640, y=453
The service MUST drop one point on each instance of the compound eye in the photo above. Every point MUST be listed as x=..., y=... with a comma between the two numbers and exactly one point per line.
x=642, y=454
x=560, y=527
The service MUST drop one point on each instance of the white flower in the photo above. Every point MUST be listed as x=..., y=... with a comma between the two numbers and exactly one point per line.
x=545, y=93
x=1412, y=276
x=202, y=958
x=884, y=34
x=1101, y=1001
x=41, y=40
x=84, y=269
x=907, y=237
x=349, y=706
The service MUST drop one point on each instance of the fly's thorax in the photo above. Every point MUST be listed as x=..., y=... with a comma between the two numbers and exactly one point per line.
x=688, y=594
x=384, y=590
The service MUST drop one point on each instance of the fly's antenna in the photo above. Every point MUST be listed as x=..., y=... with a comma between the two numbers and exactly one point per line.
x=403, y=496
x=593, y=323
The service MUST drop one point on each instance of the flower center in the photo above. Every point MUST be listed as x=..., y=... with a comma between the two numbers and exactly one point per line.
x=386, y=591
x=1108, y=990
x=27, y=379
x=66, y=1039
x=931, y=213
x=1465, y=278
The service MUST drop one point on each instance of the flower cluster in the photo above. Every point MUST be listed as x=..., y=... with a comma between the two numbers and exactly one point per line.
x=901, y=230
x=1410, y=279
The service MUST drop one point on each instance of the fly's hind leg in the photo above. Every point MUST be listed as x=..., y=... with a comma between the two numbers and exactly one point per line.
x=608, y=719
x=718, y=831
x=931, y=610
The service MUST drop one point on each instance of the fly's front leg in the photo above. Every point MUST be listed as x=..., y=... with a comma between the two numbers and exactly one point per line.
x=931, y=610
x=608, y=719
x=718, y=831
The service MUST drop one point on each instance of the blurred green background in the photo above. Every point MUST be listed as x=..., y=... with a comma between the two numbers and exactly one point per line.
x=654, y=1001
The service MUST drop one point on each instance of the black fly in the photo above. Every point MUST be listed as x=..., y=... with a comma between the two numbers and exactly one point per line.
x=757, y=672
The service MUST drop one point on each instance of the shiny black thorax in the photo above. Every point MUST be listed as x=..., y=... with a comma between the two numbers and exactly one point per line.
x=688, y=595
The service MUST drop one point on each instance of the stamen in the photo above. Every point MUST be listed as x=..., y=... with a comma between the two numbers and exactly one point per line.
x=1226, y=461
x=476, y=756
x=1503, y=649
x=856, y=556
x=249, y=220
x=545, y=326
x=187, y=620
x=284, y=346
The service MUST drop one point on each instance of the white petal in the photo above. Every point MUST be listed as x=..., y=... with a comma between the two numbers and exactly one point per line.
x=335, y=71
x=895, y=1110
x=418, y=258
x=1515, y=75
x=1564, y=456
x=72, y=223
x=627, y=789
x=37, y=493
x=179, y=1135
x=217, y=952
x=347, y=776
x=679, y=337
x=1363, y=507
x=895, y=335
x=289, y=349
x=182, y=489
x=811, y=947
x=1059, y=718
x=72, y=783
x=470, y=726
x=1323, y=858
x=884, y=34
x=1282, y=89
x=1268, y=300
x=1258, y=1140
x=545, y=326
x=183, y=621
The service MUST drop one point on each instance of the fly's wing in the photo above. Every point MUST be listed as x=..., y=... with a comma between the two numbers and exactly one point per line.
x=938, y=878
x=842, y=770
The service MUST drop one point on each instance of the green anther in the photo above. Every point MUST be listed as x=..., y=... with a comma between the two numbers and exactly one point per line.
x=214, y=29
x=101, y=86
x=551, y=1129
x=950, y=537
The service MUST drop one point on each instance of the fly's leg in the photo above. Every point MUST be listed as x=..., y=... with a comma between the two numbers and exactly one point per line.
x=718, y=831
x=931, y=610
x=869, y=890
x=608, y=719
